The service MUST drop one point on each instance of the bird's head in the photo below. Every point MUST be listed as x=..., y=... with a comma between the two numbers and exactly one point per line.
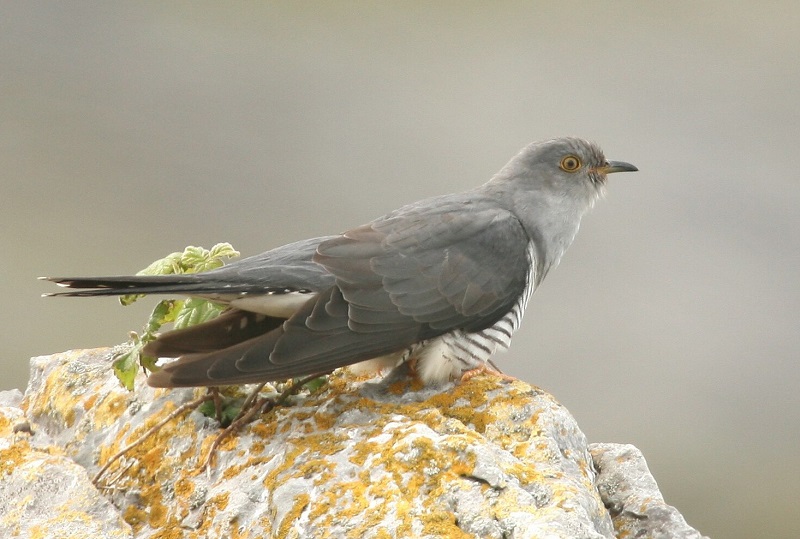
x=562, y=167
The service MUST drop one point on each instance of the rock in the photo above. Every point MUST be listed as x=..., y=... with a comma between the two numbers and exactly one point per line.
x=632, y=497
x=43, y=493
x=359, y=458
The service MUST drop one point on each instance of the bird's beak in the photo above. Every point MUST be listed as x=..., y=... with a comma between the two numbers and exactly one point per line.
x=616, y=166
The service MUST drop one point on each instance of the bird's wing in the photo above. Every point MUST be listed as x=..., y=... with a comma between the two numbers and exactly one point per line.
x=415, y=274
x=449, y=267
x=290, y=267
x=399, y=280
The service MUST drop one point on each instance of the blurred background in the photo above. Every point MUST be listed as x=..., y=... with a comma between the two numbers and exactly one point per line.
x=129, y=131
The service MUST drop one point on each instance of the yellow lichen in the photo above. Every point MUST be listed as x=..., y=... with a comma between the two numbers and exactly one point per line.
x=301, y=501
x=412, y=469
x=212, y=507
x=438, y=523
x=135, y=515
x=263, y=429
x=109, y=410
x=57, y=400
x=88, y=403
x=184, y=488
x=13, y=457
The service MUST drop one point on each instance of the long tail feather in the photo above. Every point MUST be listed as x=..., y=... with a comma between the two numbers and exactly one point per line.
x=147, y=284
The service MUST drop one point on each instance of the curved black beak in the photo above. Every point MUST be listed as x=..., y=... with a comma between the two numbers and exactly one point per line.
x=617, y=166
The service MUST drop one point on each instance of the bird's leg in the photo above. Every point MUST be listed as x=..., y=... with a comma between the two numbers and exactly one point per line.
x=485, y=368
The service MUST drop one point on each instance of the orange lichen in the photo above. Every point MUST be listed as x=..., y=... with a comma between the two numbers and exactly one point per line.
x=54, y=398
x=301, y=501
x=440, y=523
x=212, y=507
x=184, y=487
x=388, y=481
x=263, y=429
x=13, y=457
x=109, y=409
x=88, y=403
x=135, y=515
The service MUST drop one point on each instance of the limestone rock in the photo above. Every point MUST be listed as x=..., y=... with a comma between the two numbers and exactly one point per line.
x=371, y=458
x=43, y=493
x=632, y=497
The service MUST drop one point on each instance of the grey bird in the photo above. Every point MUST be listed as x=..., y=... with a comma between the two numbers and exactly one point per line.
x=442, y=282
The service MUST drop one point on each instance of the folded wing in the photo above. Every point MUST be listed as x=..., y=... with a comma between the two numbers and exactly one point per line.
x=417, y=273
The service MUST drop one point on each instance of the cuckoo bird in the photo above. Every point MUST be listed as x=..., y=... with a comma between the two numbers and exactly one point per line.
x=443, y=282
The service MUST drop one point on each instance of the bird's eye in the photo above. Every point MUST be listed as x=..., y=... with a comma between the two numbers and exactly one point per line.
x=570, y=163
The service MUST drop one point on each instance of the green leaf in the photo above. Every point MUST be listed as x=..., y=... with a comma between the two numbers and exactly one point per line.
x=197, y=259
x=166, y=266
x=222, y=251
x=313, y=385
x=208, y=409
x=196, y=311
x=193, y=258
x=149, y=363
x=230, y=410
x=163, y=313
x=182, y=313
x=230, y=413
x=128, y=299
x=126, y=365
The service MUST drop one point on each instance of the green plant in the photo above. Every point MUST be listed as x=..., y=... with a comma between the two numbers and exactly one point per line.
x=181, y=313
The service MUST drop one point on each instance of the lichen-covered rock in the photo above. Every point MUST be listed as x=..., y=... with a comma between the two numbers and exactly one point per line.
x=632, y=496
x=357, y=458
x=44, y=494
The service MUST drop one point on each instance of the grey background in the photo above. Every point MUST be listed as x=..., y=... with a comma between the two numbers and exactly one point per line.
x=132, y=130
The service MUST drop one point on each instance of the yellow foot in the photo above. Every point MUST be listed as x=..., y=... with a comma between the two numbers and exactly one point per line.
x=485, y=369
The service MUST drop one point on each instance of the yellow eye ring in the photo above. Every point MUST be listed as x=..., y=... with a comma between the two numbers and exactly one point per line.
x=570, y=163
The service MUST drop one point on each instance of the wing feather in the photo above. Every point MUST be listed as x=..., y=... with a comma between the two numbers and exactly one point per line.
x=410, y=278
x=420, y=272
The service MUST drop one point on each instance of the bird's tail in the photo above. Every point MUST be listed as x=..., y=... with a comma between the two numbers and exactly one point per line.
x=187, y=283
